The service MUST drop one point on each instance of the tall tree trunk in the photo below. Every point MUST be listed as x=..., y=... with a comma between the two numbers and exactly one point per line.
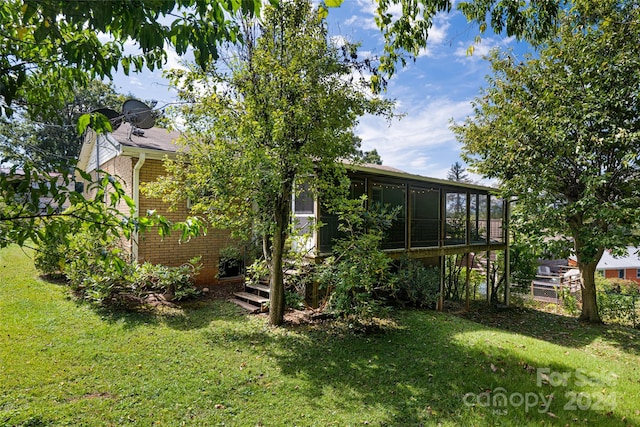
x=276, y=284
x=589, y=303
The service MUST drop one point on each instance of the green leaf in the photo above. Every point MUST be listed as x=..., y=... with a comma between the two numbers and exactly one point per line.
x=333, y=3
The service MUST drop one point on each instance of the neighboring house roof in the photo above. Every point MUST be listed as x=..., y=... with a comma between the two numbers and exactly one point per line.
x=609, y=262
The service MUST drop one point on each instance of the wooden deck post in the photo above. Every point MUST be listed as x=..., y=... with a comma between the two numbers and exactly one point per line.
x=442, y=271
x=468, y=279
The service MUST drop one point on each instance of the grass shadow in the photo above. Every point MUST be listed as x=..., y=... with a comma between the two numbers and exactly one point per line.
x=554, y=328
x=418, y=374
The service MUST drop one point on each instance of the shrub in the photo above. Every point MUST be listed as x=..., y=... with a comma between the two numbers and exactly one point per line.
x=358, y=274
x=49, y=256
x=416, y=284
x=101, y=272
x=96, y=267
x=176, y=283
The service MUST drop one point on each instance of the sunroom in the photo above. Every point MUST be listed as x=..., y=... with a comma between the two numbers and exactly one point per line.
x=436, y=217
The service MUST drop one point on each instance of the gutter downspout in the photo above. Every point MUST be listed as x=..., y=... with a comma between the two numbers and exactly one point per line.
x=136, y=200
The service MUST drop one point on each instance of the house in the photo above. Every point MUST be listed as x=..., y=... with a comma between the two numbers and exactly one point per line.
x=436, y=217
x=136, y=158
x=624, y=267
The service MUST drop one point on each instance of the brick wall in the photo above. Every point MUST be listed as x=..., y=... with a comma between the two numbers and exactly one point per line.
x=170, y=251
x=629, y=274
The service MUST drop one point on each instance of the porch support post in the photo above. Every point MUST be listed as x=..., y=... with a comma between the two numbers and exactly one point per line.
x=442, y=271
x=467, y=255
x=488, y=276
x=507, y=254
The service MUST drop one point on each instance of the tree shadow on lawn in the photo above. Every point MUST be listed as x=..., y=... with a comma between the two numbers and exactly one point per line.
x=417, y=374
x=554, y=328
x=190, y=315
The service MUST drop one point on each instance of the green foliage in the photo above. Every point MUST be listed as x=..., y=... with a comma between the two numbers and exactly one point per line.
x=618, y=300
x=98, y=270
x=523, y=259
x=415, y=283
x=408, y=32
x=358, y=275
x=293, y=299
x=618, y=308
x=50, y=46
x=569, y=301
x=287, y=112
x=49, y=259
x=176, y=283
x=560, y=132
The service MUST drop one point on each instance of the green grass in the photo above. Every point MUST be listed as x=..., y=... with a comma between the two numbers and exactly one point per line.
x=66, y=363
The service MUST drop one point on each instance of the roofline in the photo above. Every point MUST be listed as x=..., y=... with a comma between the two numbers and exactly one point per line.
x=150, y=153
x=405, y=175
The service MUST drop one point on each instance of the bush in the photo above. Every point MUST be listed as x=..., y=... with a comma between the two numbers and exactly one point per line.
x=617, y=307
x=358, y=274
x=96, y=267
x=49, y=256
x=416, y=284
x=101, y=272
x=176, y=283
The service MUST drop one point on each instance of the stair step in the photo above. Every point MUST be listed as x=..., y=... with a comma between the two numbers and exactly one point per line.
x=249, y=307
x=251, y=297
x=259, y=287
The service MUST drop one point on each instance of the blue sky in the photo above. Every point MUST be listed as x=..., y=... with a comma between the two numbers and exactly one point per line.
x=429, y=92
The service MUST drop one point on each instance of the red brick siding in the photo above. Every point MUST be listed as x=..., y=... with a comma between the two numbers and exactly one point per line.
x=630, y=274
x=170, y=251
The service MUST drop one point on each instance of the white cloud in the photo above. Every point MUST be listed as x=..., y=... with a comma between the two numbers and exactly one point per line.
x=174, y=60
x=421, y=142
x=481, y=49
x=135, y=81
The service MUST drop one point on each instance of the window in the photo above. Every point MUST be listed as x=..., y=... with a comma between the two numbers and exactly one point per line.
x=304, y=208
x=496, y=231
x=478, y=214
x=637, y=273
x=303, y=202
x=621, y=273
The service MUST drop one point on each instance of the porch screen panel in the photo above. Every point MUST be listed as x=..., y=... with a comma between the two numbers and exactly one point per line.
x=496, y=232
x=425, y=217
x=392, y=195
x=478, y=215
x=328, y=233
x=455, y=218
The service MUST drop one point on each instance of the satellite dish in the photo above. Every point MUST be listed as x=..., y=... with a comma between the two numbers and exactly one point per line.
x=114, y=117
x=138, y=114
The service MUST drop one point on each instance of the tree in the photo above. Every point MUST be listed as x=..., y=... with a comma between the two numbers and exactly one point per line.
x=458, y=173
x=562, y=134
x=48, y=138
x=50, y=45
x=281, y=113
x=371, y=157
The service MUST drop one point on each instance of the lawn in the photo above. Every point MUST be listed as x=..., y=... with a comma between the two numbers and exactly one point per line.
x=206, y=363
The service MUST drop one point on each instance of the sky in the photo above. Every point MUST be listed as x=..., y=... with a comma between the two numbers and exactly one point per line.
x=429, y=93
